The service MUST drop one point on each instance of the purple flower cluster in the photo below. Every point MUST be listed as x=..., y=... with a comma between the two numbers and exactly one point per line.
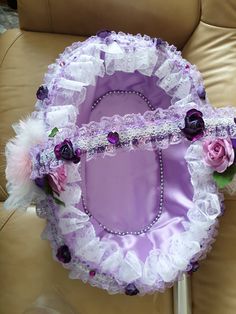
x=103, y=33
x=63, y=254
x=194, y=125
x=113, y=138
x=131, y=289
x=42, y=92
x=65, y=151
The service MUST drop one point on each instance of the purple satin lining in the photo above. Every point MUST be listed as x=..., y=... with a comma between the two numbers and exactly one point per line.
x=124, y=81
x=123, y=191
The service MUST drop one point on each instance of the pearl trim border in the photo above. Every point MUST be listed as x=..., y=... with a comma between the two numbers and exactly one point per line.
x=147, y=227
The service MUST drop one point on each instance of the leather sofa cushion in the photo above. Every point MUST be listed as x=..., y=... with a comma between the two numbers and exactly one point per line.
x=171, y=20
x=213, y=285
x=27, y=271
x=219, y=13
x=213, y=50
x=24, y=60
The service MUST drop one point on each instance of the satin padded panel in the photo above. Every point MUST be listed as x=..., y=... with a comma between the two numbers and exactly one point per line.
x=28, y=271
x=172, y=20
x=213, y=50
x=219, y=12
x=24, y=60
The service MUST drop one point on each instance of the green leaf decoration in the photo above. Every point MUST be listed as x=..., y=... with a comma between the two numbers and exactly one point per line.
x=58, y=201
x=47, y=188
x=224, y=178
x=53, y=132
x=49, y=191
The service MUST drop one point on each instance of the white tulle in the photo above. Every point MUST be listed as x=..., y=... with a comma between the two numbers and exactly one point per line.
x=69, y=196
x=71, y=219
x=73, y=174
x=61, y=116
x=83, y=64
x=130, y=267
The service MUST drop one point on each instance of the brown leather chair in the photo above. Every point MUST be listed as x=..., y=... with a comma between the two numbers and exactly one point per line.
x=206, y=33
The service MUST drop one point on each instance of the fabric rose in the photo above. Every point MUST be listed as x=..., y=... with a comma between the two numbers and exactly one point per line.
x=103, y=33
x=54, y=181
x=42, y=92
x=194, y=125
x=65, y=151
x=57, y=179
x=218, y=154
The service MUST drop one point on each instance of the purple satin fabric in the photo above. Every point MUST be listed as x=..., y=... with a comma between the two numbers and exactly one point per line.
x=124, y=81
x=123, y=192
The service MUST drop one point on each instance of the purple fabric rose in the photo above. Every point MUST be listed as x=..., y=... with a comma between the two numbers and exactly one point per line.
x=201, y=92
x=194, y=125
x=113, y=137
x=103, y=33
x=159, y=42
x=42, y=92
x=65, y=151
x=194, y=267
x=63, y=254
x=57, y=179
x=131, y=289
x=41, y=182
x=218, y=154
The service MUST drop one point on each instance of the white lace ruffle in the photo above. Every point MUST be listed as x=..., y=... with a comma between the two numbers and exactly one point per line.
x=67, y=79
x=161, y=268
x=81, y=64
x=153, y=130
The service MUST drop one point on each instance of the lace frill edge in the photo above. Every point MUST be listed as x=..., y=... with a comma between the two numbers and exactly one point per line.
x=81, y=64
x=161, y=269
x=153, y=130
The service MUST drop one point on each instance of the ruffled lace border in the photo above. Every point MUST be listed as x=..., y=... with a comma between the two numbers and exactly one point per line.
x=161, y=269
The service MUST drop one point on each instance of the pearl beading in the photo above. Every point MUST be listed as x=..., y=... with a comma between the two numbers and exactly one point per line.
x=147, y=227
x=123, y=92
x=156, y=218
x=155, y=129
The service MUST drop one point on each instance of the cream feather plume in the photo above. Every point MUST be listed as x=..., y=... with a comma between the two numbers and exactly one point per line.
x=22, y=190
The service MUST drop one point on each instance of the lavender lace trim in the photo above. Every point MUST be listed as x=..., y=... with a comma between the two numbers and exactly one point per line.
x=154, y=130
x=83, y=62
x=67, y=81
x=90, y=252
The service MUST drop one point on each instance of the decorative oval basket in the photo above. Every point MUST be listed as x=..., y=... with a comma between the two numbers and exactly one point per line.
x=117, y=158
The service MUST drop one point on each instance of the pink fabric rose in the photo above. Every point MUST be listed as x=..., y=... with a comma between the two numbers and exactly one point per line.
x=57, y=179
x=218, y=154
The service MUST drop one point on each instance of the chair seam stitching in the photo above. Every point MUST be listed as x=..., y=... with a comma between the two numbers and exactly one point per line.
x=218, y=26
x=4, y=56
x=3, y=192
x=6, y=220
